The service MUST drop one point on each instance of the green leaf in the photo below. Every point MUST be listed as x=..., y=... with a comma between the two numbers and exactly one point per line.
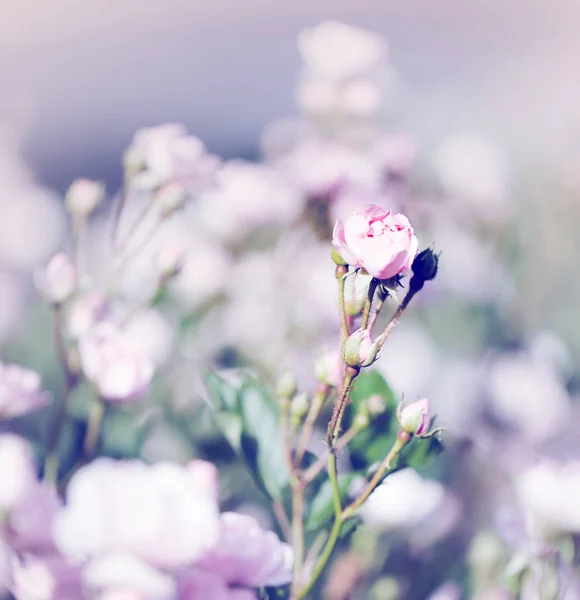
x=420, y=452
x=372, y=444
x=223, y=400
x=322, y=507
x=261, y=441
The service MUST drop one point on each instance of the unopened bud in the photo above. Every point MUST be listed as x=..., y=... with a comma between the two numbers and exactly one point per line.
x=356, y=288
x=170, y=197
x=361, y=421
x=286, y=386
x=375, y=405
x=299, y=405
x=337, y=258
x=424, y=268
x=83, y=196
x=170, y=260
x=57, y=281
x=359, y=350
x=414, y=418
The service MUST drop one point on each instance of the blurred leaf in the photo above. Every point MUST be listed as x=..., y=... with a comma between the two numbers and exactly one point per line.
x=372, y=444
x=247, y=414
x=322, y=508
x=349, y=526
x=120, y=436
x=261, y=441
x=420, y=452
x=224, y=404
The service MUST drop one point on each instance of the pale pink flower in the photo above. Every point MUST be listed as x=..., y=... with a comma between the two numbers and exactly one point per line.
x=17, y=471
x=119, y=368
x=85, y=312
x=196, y=583
x=57, y=281
x=415, y=417
x=83, y=196
x=336, y=51
x=359, y=350
x=163, y=514
x=167, y=153
x=247, y=555
x=118, y=573
x=381, y=243
x=47, y=578
x=20, y=391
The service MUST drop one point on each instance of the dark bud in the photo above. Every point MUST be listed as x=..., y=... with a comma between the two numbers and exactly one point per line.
x=424, y=268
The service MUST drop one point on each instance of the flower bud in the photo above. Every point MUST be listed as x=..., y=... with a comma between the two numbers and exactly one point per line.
x=299, y=405
x=287, y=385
x=328, y=368
x=83, y=196
x=170, y=197
x=356, y=289
x=337, y=258
x=424, y=268
x=359, y=350
x=170, y=260
x=375, y=405
x=57, y=281
x=414, y=418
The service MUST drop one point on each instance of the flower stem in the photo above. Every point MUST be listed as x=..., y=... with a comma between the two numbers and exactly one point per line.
x=96, y=414
x=401, y=441
x=297, y=531
x=313, y=412
x=369, y=302
x=52, y=458
x=340, y=406
x=282, y=519
x=315, y=468
x=341, y=305
x=396, y=317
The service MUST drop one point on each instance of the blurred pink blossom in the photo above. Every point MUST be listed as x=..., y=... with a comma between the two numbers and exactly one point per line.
x=196, y=583
x=20, y=391
x=51, y=578
x=247, y=555
x=85, y=312
x=57, y=281
x=163, y=514
x=17, y=471
x=381, y=243
x=119, y=367
x=159, y=155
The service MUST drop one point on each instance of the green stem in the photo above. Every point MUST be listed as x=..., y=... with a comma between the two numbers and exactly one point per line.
x=315, y=468
x=369, y=302
x=396, y=317
x=52, y=458
x=401, y=441
x=340, y=406
x=96, y=414
x=343, y=319
x=313, y=412
x=297, y=532
x=334, y=532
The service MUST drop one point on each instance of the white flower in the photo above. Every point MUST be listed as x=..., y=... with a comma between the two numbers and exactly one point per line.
x=404, y=499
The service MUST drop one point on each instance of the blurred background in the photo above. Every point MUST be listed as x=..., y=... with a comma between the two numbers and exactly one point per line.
x=470, y=124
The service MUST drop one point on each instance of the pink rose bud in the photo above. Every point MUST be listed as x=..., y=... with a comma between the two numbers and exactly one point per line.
x=20, y=391
x=170, y=197
x=83, y=196
x=57, y=281
x=381, y=243
x=414, y=418
x=119, y=368
x=359, y=350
